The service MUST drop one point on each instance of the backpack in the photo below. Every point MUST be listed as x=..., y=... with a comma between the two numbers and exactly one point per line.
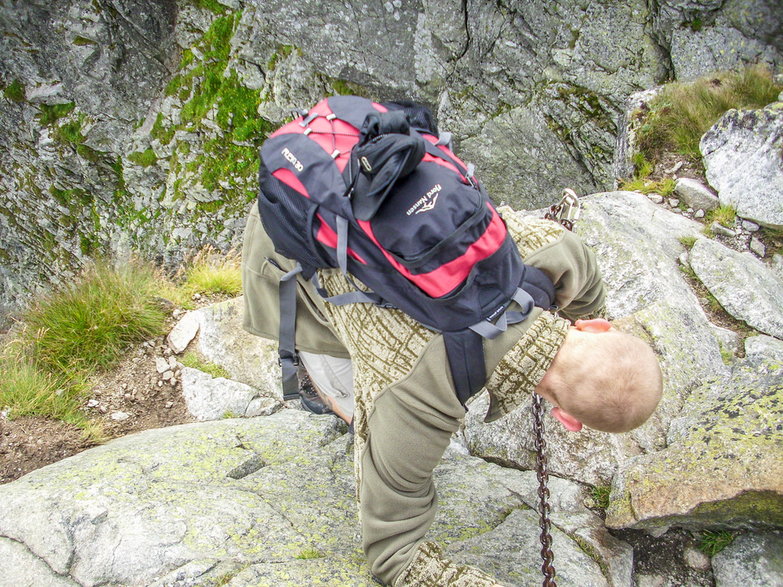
x=374, y=190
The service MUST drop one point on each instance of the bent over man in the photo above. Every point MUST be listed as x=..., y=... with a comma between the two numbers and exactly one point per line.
x=406, y=408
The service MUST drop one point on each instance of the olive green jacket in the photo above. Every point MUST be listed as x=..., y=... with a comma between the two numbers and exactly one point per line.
x=406, y=405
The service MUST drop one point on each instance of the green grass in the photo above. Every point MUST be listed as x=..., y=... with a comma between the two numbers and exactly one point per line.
x=15, y=91
x=196, y=361
x=51, y=114
x=724, y=215
x=679, y=116
x=711, y=542
x=688, y=241
x=143, y=158
x=85, y=327
x=71, y=334
x=600, y=495
x=29, y=391
x=664, y=187
x=213, y=273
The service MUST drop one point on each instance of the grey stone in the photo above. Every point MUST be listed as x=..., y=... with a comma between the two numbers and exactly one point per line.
x=749, y=226
x=716, y=48
x=161, y=365
x=184, y=331
x=699, y=214
x=27, y=567
x=696, y=559
x=249, y=359
x=742, y=158
x=253, y=499
x=762, y=347
x=718, y=228
x=673, y=202
x=655, y=198
x=751, y=559
x=757, y=247
x=695, y=194
x=729, y=341
x=744, y=286
x=213, y=398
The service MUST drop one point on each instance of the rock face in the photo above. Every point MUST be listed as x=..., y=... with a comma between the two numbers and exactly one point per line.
x=268, y=501
x=134, y=126
x=742, y=157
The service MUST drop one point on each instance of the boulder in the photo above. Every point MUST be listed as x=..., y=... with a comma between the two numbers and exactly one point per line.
x=213, y=398
x=745, y=286
x=247, y=358
x=723, y=463
x=270, y=501
x=696, y=195
x=742, y=159
x=751, y=559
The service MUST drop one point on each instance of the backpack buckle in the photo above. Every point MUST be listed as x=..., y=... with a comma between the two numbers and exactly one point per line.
x=567, y=211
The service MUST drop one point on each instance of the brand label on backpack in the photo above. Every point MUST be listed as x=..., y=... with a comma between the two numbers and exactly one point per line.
x=426, y=202
x=292, y=159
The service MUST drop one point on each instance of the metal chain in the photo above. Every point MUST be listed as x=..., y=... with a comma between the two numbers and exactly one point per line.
x=547, y=556
x=566, y=213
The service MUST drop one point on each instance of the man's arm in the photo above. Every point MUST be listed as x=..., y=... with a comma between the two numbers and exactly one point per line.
x=408, y=432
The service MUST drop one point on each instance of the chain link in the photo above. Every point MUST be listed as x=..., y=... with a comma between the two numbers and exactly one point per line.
x=547, y=556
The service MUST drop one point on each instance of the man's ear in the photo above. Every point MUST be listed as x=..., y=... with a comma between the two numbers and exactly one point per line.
x=594, y=325
x=567, y=420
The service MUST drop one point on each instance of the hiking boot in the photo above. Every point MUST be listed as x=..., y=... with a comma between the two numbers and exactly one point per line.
x=309, y=397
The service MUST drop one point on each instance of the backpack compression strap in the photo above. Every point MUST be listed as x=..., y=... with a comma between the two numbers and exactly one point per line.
x=286, y=346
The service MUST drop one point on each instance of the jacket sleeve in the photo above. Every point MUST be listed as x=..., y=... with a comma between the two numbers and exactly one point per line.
x=573, y=268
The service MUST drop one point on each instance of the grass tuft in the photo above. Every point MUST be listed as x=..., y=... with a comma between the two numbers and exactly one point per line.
x=688, y=241
x=86, y=326
x=712, y=542
x=679, y=116
x=724, y=215
x=664, y=187
x=196, y=361
x=212, y=273
x=600, y=495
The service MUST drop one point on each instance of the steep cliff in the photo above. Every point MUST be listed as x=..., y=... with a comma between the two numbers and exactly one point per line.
x=133, y=127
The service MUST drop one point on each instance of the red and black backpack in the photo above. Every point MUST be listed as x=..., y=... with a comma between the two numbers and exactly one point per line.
x=374, y=190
